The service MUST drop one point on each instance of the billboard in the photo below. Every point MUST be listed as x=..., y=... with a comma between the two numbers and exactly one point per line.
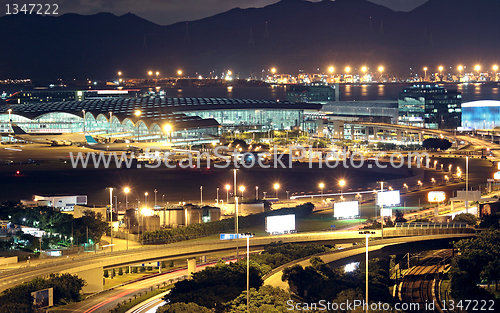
x=462, y=195
x=386, y=212
x=280, y=224
x=43, y=298
x=347, y=209
x=388, y=198
x=436, y=196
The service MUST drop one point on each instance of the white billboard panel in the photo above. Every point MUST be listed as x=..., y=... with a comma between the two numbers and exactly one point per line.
x=386, y=212
x=347, y=209
x=280, y=223
x=388, y=198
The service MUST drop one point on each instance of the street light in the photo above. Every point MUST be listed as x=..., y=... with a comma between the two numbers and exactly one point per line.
x=257, y=192
x=168, y=129
x=367, y=234
x=331, y=69
x=342, y=184
x=242, y=188
x=10, y=122
x=179, y=72
x=276, y=187
x=363, y=69
x=126, y=190
x=111, y=214
x=247, y=236
x=150, y=73
x=381, y=70
x=321, y=185
x=83, y=111
x=495, y=69
x=201, y=195
x=227, y=192
x=138, y=114
x=425, y=72
x=146, y=199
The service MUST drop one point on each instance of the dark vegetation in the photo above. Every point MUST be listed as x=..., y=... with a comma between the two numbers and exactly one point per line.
x=18, y=299
x=220, y=287
x=212, y=228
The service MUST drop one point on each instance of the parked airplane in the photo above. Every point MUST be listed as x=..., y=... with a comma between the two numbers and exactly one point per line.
x=127, y=147
x=54, y=140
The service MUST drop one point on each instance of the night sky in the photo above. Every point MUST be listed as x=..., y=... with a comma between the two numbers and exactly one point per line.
x=165, y=12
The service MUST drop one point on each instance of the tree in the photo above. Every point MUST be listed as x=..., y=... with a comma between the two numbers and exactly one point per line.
x=492, y=272
x=400, y=217
x=182, y=308
x=215, y=285
x=435, y=144
x=468, y=218
x=266, y=299
x=476, y=260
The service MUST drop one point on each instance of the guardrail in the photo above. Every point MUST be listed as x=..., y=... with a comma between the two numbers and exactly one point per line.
x=430, y=225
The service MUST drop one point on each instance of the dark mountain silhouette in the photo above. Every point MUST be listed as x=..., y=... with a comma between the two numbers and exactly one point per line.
x=289, y=35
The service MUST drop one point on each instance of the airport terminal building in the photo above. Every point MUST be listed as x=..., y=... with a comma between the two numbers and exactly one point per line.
x=145, y=118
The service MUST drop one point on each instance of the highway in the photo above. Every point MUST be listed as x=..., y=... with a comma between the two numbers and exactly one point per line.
x=167, y=252
x=105, y=301
x=274, y=277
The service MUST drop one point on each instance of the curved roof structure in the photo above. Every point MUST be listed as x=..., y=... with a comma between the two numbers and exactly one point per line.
x=152, y=110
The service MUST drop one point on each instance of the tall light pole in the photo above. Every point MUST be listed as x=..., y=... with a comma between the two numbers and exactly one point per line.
x=217, y=195
x=242, y=189
x=83, y=111
x=155, y=197
x=495, y=69
x=146, y=199
x=168, y=129
x=381, y=207
x=236, y=212
x=111, y=214
x=321, y=185
x=341, y=184
x=138, y=114
x=10, y=123
x=276, y=187
x=441, y=72
x=477, y=68
x=367, y=236
x=425, y=73
x=227, y=193
x=201, y=195
x=363, y=69
x=111, y=122
x=381, y=70
x=126, y=190
x=247, y=236
x=257, y=192
x=467, y=184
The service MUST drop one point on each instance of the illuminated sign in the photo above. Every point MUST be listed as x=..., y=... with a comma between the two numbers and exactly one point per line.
x=436, y=196
x=388, y=198
x=280, y=223
x=347, y=209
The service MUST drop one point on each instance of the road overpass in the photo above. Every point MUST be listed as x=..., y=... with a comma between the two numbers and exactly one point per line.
x=90, y=267
x=379, y=131
x=375, y=248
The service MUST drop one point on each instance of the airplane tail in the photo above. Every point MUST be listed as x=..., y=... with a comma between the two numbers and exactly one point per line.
x=18, y=130
x=90, y=139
